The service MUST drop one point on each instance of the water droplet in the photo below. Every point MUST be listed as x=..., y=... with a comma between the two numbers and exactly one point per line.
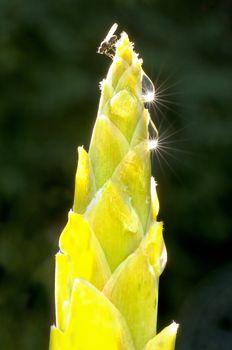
x=153, y=144
x=148, y=89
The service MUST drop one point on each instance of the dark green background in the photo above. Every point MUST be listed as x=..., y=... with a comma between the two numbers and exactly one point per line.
x=49, y=74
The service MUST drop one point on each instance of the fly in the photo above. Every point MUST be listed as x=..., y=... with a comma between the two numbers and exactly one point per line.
x=107, y=46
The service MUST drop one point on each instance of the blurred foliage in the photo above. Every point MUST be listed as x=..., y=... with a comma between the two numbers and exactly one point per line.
x=49, y=94
x=210, y=307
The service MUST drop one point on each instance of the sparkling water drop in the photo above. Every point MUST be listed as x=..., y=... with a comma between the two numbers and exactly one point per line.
x=148, y=89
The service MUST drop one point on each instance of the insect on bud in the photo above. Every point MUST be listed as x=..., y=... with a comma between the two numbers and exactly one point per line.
x=107, y=46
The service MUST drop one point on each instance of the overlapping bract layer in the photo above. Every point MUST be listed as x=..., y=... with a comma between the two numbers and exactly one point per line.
x=111, y=250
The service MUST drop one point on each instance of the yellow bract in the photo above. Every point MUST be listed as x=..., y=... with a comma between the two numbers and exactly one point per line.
x=154, y=199
x=133, y=174
x=94, y=323
x=165, y=340
x=115, y=224
x=133, y=287
x=81, y=256
x=125, y=112
x=84, y=182
x=133, y=290
x=154, y=247
x=108, y=147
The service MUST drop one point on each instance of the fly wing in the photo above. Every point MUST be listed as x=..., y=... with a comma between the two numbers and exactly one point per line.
x=111, y=32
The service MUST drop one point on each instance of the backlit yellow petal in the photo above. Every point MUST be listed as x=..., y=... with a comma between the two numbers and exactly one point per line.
x=86, y=256
x=165, y=340
x=133, y=289
x=94, y=321
x=115, y=224
x=84, y=182
x=108, y=147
